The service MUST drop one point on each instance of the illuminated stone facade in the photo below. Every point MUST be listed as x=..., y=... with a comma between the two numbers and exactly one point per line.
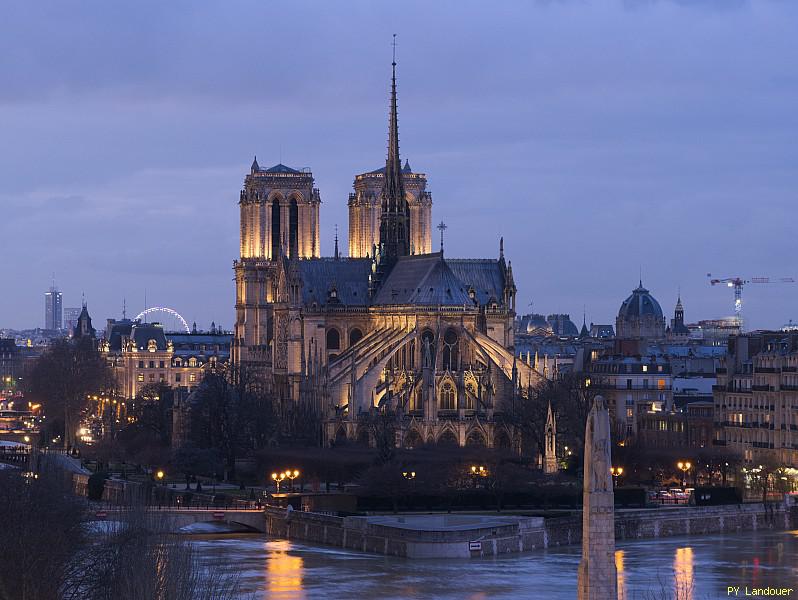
x=393, y=326
x=365, y=210
x=756, y=398
x=143, y=354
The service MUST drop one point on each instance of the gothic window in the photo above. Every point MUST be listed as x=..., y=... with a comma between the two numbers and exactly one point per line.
x=475, y=438
x=448, y=439
x=293, y=229
x=450, y=350
x=275, y=228
x=333, y=339
x=468, y=402
x=447, y=397
x=355, y=335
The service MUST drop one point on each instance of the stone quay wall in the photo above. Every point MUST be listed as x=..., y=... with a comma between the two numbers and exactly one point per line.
x=527, y=534
x=683, y=521
x=359, y=533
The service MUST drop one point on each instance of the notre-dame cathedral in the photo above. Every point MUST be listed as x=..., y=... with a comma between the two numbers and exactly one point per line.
x=394, y=325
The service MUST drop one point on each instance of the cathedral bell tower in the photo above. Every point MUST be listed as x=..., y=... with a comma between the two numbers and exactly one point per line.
x=279, y=218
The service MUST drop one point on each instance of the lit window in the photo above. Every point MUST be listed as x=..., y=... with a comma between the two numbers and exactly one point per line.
x=645, y=368
x=140, y=377
x=192, y=378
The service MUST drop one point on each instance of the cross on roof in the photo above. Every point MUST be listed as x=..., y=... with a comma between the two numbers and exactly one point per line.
x=442, y=227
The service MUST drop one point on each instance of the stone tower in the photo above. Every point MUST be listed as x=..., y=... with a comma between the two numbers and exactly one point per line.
x=597, y=576
x=550, y=450
x=279, y=218
x=365, y=210
x=279, y=213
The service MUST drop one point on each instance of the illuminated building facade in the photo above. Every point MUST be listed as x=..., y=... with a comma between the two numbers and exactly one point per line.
x=393, y=326
x=143, y=354
x=756, y=398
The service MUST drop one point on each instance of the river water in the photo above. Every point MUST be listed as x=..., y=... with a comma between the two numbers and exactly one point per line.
x=688, y=568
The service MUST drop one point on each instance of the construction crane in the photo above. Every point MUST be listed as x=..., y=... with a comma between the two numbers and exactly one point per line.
x=737, y=284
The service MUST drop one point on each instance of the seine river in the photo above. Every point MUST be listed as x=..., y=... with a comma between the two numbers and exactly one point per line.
x=679, y=568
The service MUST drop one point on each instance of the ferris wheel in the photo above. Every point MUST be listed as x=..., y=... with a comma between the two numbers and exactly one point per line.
x=163, y=309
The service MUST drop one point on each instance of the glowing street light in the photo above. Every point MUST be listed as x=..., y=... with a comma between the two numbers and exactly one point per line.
x=278, y=479
x=478, y=471
x=409, y=475
x=292, y=475
x=684, y=466
x=616, y=472
x=159, y=475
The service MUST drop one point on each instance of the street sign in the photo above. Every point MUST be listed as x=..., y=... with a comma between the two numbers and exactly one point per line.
x=475, y=546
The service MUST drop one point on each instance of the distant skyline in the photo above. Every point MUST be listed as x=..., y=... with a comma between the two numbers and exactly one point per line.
x=600, y=139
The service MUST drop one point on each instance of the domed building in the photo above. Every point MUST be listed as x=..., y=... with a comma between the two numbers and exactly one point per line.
x=640, y=316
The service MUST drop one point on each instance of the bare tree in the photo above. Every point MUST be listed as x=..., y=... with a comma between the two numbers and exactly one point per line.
x=63, y=379
x=42, y=526
x=382, y=424
x=50, y=549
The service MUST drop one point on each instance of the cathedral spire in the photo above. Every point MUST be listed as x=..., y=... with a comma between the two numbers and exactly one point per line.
x=394, y=221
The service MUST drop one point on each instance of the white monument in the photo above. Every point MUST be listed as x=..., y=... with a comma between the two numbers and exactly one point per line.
x=598, y=579
x=550, y=451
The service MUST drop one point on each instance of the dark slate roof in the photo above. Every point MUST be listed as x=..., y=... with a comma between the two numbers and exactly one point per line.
x=485, y=275
x=425, y=279
x=349, y=275
x=280, y=168
x=144, y=332
x=640, y=304
x=181, y=339
x=119, y=329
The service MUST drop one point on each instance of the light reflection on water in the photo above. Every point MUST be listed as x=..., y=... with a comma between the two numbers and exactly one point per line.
x=678, y=568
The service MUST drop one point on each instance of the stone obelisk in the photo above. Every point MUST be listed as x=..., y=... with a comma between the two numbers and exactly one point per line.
x=598, y=579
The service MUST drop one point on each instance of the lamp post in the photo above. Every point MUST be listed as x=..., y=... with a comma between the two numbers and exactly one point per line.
x=684, y=466
x=292, y=475
x=616, y=473
x=278, y=479
x=159, y=475
x=478, y=471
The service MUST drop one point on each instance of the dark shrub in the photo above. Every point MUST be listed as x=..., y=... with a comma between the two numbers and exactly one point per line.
x=96, y=485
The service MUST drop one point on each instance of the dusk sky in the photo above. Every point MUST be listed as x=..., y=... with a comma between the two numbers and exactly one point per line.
x=598, y=137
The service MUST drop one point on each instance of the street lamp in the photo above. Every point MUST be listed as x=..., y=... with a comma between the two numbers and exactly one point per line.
x=616, y=473
x=159, y=475
x=409, y=475
x=478, y=471
x=278, y=479
x=292, y=475
x=684, y=467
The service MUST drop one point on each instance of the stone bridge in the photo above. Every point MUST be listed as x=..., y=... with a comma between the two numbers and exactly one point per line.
x=177, y=519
